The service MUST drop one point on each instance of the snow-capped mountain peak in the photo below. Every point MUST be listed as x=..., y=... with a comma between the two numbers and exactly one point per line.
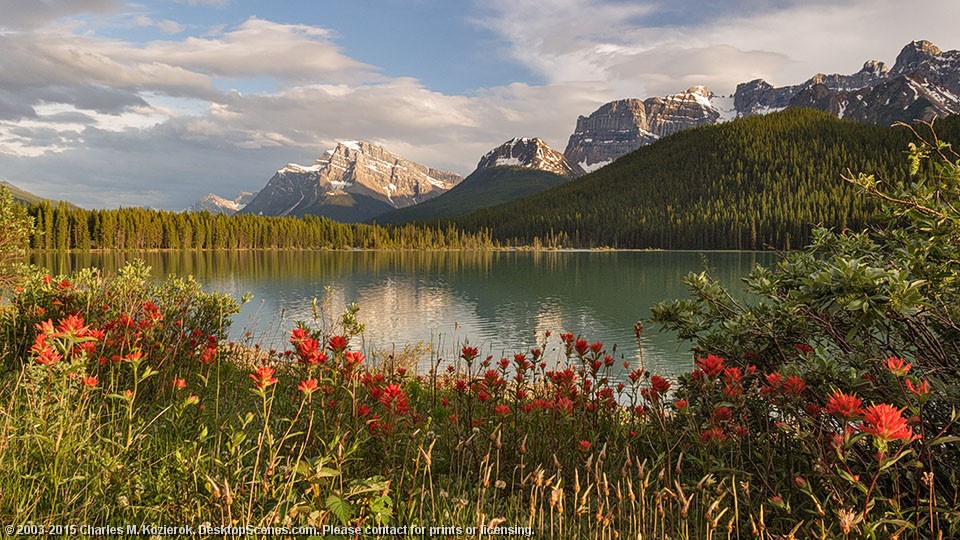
x=216, y=204
x=529, y=153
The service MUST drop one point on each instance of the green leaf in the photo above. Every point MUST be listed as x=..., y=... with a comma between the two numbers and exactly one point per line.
x=944, y=440
x=340, y=508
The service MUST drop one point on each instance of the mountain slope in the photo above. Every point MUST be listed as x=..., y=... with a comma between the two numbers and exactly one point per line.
x=515, y=169
x=21, y=195
x=923, y=83
x=216, y=204
x=753, y=183
x=353, y=182
x=622, y=126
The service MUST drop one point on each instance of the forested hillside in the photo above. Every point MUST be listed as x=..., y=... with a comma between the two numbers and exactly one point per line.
x=61, y=227
x=484, y=188
x=754, y=183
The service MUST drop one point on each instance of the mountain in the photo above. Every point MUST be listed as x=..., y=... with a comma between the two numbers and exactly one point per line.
x=622, y=126
x=216, y=204
x=21, y=195
x=515, y=169
x=529, y=154
x=754, y=183
x=923, y=83
x=353, y=182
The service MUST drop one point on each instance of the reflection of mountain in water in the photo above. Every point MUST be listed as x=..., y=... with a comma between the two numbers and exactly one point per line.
x=499, y=300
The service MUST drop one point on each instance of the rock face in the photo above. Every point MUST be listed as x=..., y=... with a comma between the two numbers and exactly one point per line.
x=529, y=154
x=923, y=83
x=216, y=204
x=623, y=126
x=353, y=182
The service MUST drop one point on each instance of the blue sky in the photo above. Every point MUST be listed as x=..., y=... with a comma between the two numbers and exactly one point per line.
x=155, y=103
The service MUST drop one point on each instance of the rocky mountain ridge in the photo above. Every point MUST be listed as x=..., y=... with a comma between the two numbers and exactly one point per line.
x=216, y=204
x=354, y=181
x=622, y=126
x=358, y=180
x=923, y=83
x=529, y=153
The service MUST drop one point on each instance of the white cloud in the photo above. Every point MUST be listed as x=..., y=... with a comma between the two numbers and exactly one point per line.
x=18, y=14
x=111, y=120
x=658, y=47
x=164, y=25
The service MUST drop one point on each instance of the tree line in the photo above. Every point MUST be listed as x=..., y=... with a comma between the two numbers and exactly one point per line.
x=62, y=227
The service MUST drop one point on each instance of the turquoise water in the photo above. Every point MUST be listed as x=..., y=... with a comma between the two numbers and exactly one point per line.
x=502, y=302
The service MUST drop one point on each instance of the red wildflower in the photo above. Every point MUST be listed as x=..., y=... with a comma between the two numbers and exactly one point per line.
x=353, y=359
x=596, y=347
x=732, y=374
x=886, y=423
x=898, y=366
x=803, y=348
x=307, y=386
x=92, y=382
x=73, y=326
x=483, y=396
x=469, y=353
x=732, y=391
x=722, y=414
x=363, y=410
x=47, y=280
x=813, y=409
x=712, y=434
x=659, y=384
x=584, y=446
x=681, y=404
x=636, y=374
x=46, y=328
x=794, y=386
x=564, y=405
x=298, y=334
x=338, y=344
x=395, y=398
x=920, y=390
x=844, y=406
x=209, y=353
x=264, y=377
x=502, y=410
x=711, y=365
x=179, y=384
x=48, y=357
x=581, y=347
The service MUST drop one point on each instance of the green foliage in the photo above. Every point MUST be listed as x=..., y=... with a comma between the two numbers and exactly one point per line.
x=15, y=230
x=67, y=228
x=845, y=309
x=755, y=183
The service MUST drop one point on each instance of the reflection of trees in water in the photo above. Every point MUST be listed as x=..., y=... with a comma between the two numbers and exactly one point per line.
x=503, y=298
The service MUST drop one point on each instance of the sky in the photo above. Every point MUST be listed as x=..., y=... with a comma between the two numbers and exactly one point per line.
x=109, y=103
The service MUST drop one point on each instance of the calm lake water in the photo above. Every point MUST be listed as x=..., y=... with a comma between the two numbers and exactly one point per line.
x=502, y=302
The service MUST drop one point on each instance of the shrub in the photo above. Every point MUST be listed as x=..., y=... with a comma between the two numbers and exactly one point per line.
x=15, y=230
x=874, y=313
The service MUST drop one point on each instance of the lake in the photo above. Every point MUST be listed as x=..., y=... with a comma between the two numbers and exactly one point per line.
x=501, y=302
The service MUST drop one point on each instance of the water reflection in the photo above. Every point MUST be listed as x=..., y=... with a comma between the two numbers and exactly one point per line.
x=501, y=301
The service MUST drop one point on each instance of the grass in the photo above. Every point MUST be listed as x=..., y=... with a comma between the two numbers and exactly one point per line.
x=123, y=403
